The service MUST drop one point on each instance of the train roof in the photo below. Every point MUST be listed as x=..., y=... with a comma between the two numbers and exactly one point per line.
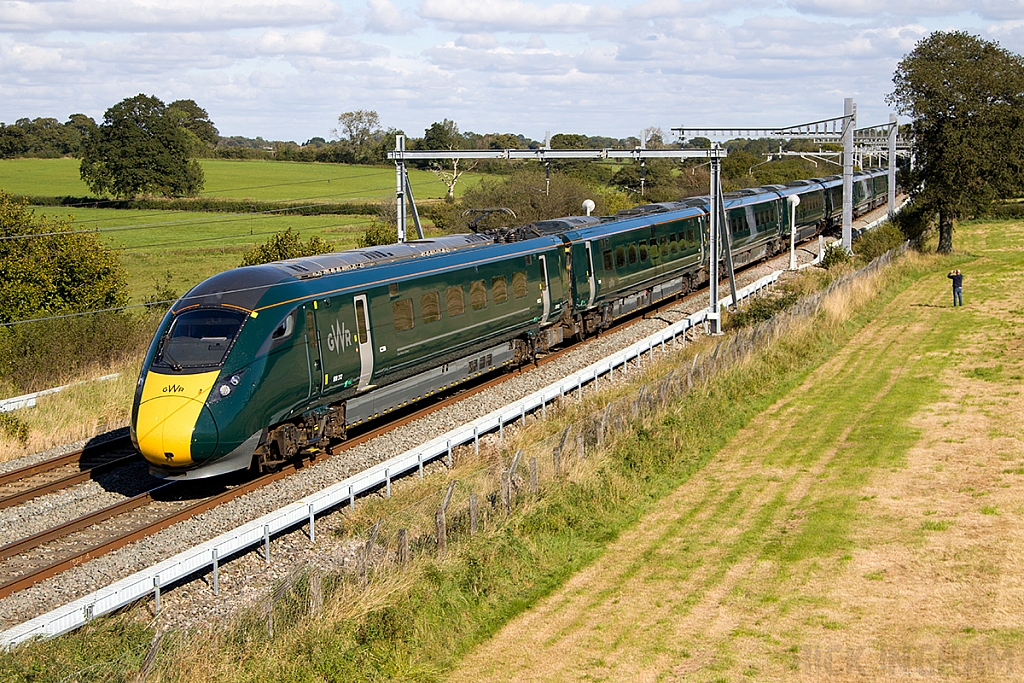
x=244, y=287
x=257, y=287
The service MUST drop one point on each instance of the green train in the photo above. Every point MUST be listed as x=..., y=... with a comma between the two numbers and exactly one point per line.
x=259, y=364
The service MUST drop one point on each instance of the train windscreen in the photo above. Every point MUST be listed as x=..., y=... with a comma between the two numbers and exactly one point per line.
x=199, y=339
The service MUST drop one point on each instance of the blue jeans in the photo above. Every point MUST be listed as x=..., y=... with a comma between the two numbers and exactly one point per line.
x=958, y=296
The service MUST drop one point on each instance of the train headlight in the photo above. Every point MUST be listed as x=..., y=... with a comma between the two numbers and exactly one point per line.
x=226, y=386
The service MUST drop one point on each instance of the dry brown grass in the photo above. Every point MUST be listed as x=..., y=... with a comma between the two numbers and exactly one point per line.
x=865, y=527
x=79, y=412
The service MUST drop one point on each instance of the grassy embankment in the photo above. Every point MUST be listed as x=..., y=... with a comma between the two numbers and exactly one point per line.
x=847, y=490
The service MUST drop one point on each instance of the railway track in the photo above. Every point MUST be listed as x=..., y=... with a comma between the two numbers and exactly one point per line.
x=26, y=483
x=45, y=554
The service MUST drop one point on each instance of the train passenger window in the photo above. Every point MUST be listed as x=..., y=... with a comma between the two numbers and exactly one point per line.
x=643, y=250
x=499, y=289
x=620, y=256
x=401, y=310
x=664, y=246
x=478, y=295
x=608, y=259
x=456, y=300
x=430, y=305
x=284, y=328
x=310, y=330
x=655, y=251
x=361, y=333
x=672, y=244
x=633, y=254
x=519, y=284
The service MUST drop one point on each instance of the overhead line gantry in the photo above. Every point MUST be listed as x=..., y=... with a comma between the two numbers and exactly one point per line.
x=718, y=239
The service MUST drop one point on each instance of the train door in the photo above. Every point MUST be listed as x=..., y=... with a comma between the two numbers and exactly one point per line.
x=591, y=274
x=364, y=341
x=545, y=288
x=313, y=356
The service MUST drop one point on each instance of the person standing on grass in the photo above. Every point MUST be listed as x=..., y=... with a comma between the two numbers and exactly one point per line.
x=958, y=287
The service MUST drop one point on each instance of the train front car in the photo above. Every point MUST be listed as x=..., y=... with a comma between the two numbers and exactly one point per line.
x=209, y=358
x=259, y=364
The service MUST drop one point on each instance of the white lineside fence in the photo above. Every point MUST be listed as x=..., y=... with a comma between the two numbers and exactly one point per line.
x=29, y=400
x=258, y=532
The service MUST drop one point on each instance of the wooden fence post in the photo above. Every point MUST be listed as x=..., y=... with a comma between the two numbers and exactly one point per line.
x=147, y=664
x=506, y=496
x=534, y=483
x=316, y=593
x=474, y=513
x=403, y=548
x=367, y=551
x=440, y=520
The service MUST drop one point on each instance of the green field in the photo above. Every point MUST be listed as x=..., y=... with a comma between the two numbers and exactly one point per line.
x=259, y=180
x=192, y=246
x=179, y=249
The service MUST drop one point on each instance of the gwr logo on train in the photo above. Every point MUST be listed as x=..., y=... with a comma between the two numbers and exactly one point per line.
x=173, y=389
x=339, y=338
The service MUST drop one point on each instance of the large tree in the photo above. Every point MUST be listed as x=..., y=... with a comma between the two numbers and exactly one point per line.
x=966, y=98
x=142, y=146
x=194, y=118
x=359, y=139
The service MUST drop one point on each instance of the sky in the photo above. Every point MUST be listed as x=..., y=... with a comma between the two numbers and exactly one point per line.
x=285, y=69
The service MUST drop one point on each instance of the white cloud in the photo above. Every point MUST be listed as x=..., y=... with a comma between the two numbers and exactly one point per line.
x=477, y=41
x=162, y=15
x=383, y=16
x=517, y=16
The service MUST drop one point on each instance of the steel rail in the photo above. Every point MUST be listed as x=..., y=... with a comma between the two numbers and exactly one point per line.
x=61, y=461
x=119, y=541
x=15, y=548
x=64, y=482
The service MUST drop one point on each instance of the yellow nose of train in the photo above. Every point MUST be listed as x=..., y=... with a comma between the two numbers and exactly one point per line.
x=169, y=411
